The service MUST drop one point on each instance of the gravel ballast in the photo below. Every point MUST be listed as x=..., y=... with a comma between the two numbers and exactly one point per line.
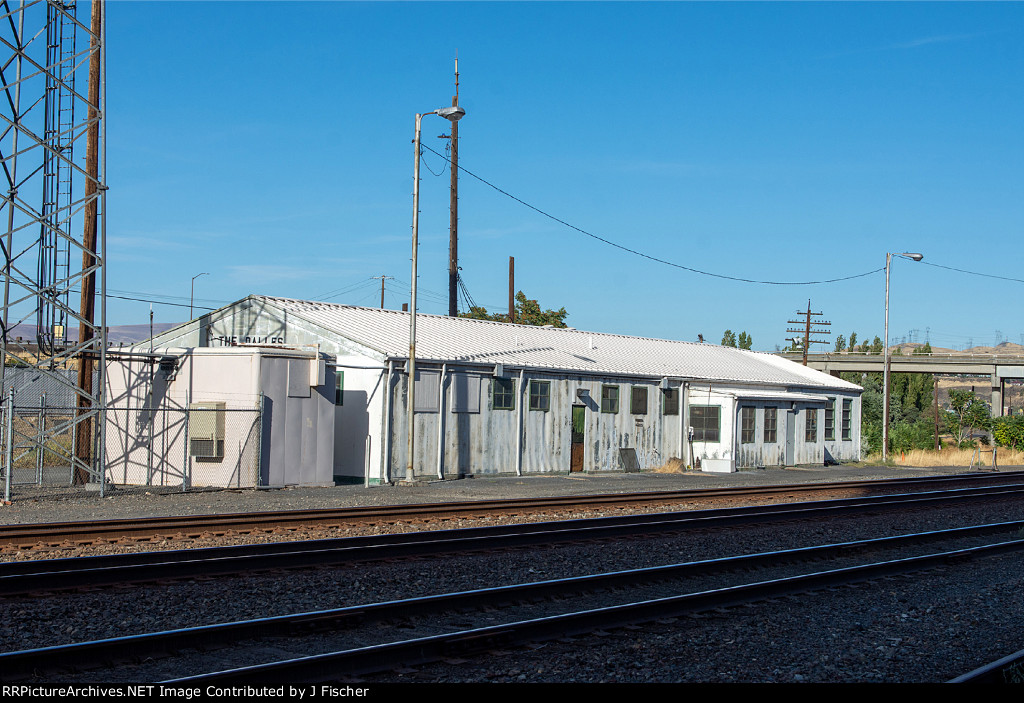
x=924, y=628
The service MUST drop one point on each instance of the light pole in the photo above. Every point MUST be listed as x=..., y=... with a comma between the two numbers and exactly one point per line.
x=885, y=346
x=192, y=296
x=454, y=114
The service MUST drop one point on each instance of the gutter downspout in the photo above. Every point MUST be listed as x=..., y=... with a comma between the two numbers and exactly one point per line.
x=684, y=417
x=385, y=421
x=440, y=423
x=519, y=426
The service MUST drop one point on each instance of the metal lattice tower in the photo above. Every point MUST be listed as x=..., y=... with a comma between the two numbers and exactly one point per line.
x=52, y=155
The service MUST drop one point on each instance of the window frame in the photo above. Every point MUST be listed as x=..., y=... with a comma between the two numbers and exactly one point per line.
x=846, y=424
x=670, y=401
x=634, y=400
x=339, y=387
x=748, y=416
x=811, y=425
x=700, y=432
x=510, y=392
x=536, y=396
x=772, y=426
x=609, y=402
x=830, y=420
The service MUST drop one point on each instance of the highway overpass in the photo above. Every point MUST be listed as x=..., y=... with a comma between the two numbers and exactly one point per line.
x=997, y=367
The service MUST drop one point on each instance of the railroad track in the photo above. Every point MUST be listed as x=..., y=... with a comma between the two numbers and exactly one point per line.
x=24, y=536
x=49, y=575
x=371, y=638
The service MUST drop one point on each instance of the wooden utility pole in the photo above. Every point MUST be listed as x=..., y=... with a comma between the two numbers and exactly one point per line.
x=453, y=228
x=807, y=329
x=511, y=289
x=382, y=279
x=83, y=441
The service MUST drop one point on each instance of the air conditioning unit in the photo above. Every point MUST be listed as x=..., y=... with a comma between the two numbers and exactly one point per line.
x=206, y=430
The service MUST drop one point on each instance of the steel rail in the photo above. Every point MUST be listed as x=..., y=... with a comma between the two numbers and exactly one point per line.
x=1009, y=669
x=142, y=527
x=45, y=575
x=21, y=664
x=376, y=658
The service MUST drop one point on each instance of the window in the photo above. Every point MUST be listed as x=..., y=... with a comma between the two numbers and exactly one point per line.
x=771, y=434
x=670, y=399
x=706, y=422
x=811, y=424
x=638, y=400
x=609, y=399
x=339, y=387
x=428, y=385
x=847, y=405
x=747, y=423
x=503, y=391
x=830, y=418
x=540, y=395
x=465, y=393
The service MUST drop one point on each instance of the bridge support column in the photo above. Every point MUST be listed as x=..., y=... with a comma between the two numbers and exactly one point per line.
x=997, y=395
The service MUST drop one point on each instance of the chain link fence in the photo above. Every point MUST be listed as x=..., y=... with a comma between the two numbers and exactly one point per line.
x=140, y=449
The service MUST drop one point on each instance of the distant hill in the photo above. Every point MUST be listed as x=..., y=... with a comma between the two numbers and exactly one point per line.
x=117, y=334
x=1001, y=348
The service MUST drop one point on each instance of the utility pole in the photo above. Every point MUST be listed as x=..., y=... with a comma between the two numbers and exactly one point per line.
x=511, y=289
x=807, y=330
x=84, y=437
x=382, y=279
x=453, y=228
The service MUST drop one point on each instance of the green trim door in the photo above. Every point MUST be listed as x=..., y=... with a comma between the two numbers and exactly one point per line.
x=579, y=422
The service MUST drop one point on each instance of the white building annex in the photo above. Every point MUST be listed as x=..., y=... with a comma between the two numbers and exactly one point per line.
x=500, y=398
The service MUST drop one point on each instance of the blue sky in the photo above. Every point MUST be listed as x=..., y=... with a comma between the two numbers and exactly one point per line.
x=269, y=144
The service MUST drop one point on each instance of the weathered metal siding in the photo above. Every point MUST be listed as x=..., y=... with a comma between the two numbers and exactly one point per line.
x=761, y=453
x=485, y=442
x=847, y=450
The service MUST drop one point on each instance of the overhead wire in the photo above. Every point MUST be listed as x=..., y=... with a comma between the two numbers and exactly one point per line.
x=974, y=273
x=648, y=256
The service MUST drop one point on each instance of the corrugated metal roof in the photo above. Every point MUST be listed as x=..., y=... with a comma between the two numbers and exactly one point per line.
x=453, y=339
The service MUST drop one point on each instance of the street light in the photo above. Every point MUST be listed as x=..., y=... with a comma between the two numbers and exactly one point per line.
x=453, y=114
x=192, y=296
x=885, y=379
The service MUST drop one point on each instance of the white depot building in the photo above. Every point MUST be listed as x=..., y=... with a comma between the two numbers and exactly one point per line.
x=491, y=398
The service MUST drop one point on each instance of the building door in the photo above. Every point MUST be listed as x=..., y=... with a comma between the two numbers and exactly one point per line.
x=579, y=421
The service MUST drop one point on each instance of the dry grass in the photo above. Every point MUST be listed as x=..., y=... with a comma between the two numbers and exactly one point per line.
x=674, y=466
x=952, y=456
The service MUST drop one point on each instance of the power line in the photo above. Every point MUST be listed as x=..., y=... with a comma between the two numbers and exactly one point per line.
x=974, y=273
x=648, y=256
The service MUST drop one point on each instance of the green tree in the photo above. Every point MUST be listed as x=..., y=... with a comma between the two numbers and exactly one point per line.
x=729, y=339
x=853, y=341
x=966, y=415
x=745, y=340
x=877, y=347
x=840, y=343
x=528, y=312
x=1009, y=431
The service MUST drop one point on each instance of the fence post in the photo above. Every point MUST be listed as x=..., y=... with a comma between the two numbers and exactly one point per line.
x=259, y=443
x=8, y=449
x=186, y=468
x=40, y=439
x=995, y=466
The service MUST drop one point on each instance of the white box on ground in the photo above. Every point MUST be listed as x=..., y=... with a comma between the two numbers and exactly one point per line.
x=718, y=466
